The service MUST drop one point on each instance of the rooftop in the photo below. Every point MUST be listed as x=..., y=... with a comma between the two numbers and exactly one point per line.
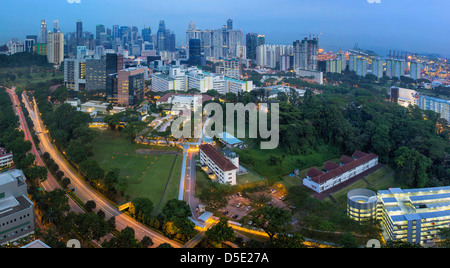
x=322, y=177
x=220, y=160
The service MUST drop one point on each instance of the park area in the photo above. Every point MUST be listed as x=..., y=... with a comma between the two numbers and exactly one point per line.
x=151, y=171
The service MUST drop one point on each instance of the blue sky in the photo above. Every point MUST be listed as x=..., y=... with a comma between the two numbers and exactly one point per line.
x=409, y=25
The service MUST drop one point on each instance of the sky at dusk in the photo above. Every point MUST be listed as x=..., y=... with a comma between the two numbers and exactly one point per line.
x=403, y=25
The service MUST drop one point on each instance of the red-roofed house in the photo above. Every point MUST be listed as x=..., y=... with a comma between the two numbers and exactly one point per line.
x=325, y=180
x=224, y=170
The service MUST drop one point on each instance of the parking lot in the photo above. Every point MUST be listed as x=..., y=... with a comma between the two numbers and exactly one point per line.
x=239, y=207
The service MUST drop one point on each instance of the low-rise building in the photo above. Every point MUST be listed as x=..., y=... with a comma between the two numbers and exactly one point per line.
x=334, y=174
x=6, y=158
x=16, y=210
x=223, y=169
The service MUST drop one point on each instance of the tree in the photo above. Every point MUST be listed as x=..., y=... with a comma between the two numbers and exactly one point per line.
x=348, y=241
x=92, y=171
x=90, y=225
x=90, y=205
x=133, y=129
x=175, y=208
x=146, y=242
x=125, y=239
x=272, y=220
x=294, y=240
x=141, y=209
x=411, y=167
x=220, y=232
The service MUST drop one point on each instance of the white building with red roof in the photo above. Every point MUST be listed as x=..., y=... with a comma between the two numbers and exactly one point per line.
x=6, y=158
x=334, y=174
x=224, y=168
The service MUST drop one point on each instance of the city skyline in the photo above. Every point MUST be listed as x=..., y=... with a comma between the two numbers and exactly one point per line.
x=381, y=27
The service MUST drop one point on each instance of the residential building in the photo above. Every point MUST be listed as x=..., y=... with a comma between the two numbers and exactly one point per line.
x=221, y=168
x=415, y=70
x=335, y=174
x=440, y=106
x=230, y=68
x=16, y=209
x=361, y=67
x=377, y=68
x=55, y=48
x=305, y=54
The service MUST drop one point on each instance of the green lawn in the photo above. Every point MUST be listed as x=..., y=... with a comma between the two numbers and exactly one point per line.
x=258, y=161
x=147, y=174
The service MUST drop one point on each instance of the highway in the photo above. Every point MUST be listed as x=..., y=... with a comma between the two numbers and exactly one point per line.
x=49, y=184
x=83, y=190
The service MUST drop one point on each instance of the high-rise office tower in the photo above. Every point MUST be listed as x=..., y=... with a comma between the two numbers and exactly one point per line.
x=98, y=30
x=230, y=24
x=146, y=34
x=261, y=39
x=56, y=26
x=43, y=32
x=225, y=42
x=79, y=33
x=251, y=42
x=192, y=33
x=55, y=48
x=115, y=32
x=195, y=52
x=161, y=36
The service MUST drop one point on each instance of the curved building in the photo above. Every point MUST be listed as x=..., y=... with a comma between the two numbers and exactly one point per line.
x=361, y=204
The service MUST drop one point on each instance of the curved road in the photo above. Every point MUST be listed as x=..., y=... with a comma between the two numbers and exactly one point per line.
x=83, y=190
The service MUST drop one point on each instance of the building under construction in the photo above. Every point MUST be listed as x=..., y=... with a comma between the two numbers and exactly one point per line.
x=305, y=54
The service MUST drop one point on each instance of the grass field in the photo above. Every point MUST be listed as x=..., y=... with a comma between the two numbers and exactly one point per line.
x=147, y=174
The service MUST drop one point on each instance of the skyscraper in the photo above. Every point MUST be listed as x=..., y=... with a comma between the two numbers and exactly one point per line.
x=415, y=70
x=195, y=52
x=98, y=30
x=230, y=24
x=377, y=68
x=305, y=54
x=146, y=34
x=161, y=36
x=251, y=42
x=55, y=48
x=79, y=34
x=56, y=26
x=219, y=43
x=43, y=32
x=261, y=39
